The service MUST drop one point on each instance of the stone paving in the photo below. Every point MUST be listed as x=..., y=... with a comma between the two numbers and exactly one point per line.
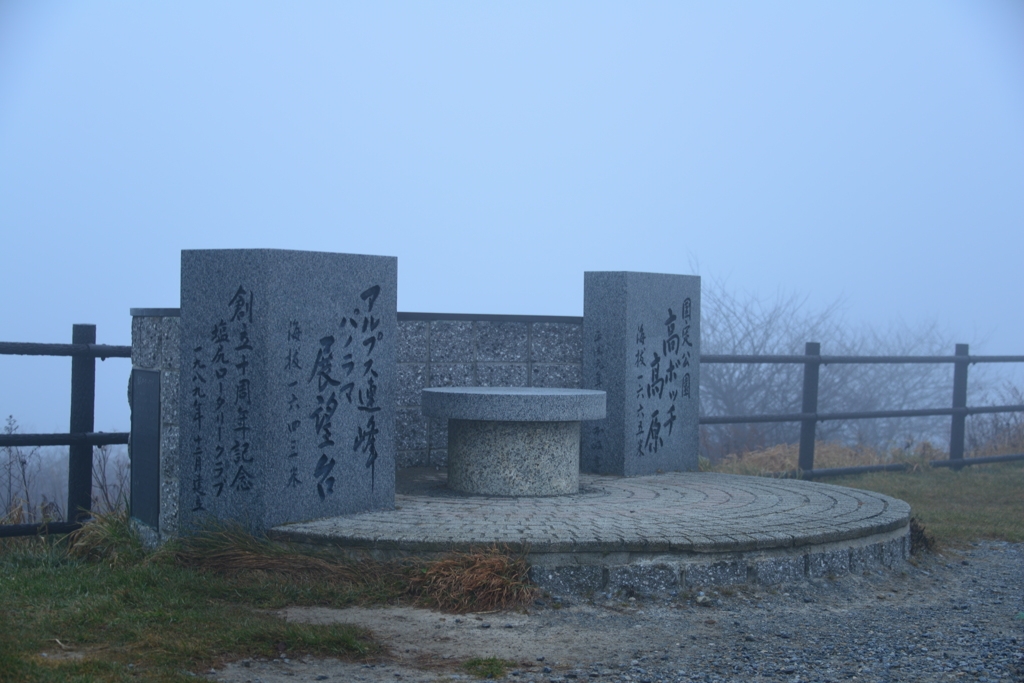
x=645, y=534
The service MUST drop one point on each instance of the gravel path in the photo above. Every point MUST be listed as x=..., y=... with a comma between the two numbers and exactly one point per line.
x=957, y=616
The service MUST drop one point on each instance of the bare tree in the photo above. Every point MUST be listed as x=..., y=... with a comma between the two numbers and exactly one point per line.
x=33, y=482
x=998, y=433
x=19, y=474
x=749, y=325
x=110, y=474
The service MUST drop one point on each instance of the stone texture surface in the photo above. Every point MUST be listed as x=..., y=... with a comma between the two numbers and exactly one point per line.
x=439, y=457
x=412, y=379
x=288, y=387
x=641, y=336
x=451, y=375
x=710, y=529
x=557, y=375
x=722, y=573
x=413, y=458
x=513, y=403
x=896, y=550
x=145, y=342
x=770, y=571
x=865, y=558
x=830, y=563
x=645, y=578
x=413, y=341
x=502, y=374
x=491, y=352
x=169, y=397
x=438, y=437
x=556, y=343
x=155, y=346
x=170, y=489
x=170, y=342
x=513, y=458
x=411, y=429
x=569, y=580
x=451, y=341
x=501, y=341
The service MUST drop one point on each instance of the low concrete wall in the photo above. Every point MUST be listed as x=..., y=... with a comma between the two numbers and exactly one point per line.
x=155, y=346
x=434, y=350
x=441, y=350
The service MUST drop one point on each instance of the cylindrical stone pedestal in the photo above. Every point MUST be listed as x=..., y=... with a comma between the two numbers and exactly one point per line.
x=514, y=458
x=513, y=441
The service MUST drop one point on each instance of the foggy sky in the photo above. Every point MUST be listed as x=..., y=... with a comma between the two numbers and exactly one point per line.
x=869, y=152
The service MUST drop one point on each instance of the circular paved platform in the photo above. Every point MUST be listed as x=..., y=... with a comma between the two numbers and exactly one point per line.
x=641, y=534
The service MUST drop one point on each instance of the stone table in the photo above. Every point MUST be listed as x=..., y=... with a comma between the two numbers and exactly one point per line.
x=513, y=441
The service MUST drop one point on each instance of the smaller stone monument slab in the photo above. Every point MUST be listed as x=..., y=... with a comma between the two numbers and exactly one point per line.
x=641, y=344
x=287, y=390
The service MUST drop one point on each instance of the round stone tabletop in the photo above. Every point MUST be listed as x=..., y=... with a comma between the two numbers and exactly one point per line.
x=514, y=404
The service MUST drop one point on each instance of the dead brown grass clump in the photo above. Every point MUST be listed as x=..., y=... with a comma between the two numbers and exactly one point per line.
x=107, y=537
x=478, y=581
x=921, y=539
x=230, y=550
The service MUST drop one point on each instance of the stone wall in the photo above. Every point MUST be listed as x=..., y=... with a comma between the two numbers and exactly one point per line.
x=438, y=350
x=155, y=342
x=434, y=349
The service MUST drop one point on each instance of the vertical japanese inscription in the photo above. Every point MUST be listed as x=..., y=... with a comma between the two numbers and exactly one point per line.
x=293, y=413
x=343, y=370
x=283, y=353
x=663, y=379
x=240, y=307
x=221, y=403
x=366, y=434
x=639, y=362
x=197, y=415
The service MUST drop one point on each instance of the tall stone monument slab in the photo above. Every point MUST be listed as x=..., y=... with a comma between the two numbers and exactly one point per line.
x=287, y=391
x=641, y=345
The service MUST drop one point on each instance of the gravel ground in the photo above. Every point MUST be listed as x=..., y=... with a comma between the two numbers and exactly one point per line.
x=956, y=616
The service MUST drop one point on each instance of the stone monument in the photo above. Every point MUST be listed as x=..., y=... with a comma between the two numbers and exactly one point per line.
x=287, y=390
x=641, y=345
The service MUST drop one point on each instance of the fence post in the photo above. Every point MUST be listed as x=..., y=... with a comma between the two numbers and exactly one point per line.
x=810, y=405
x=958, y=426
x=83, y=399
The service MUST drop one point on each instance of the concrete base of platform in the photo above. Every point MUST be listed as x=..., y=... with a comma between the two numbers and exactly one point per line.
x=650, y=535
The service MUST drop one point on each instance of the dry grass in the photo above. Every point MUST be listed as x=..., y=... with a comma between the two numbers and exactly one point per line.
x=484, y=579
x=479, y=581
x=784, y=458
x=108, y=537
x=129, y=614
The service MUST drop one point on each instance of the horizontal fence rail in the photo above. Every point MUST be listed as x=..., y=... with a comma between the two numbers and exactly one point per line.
x=101, y=351
x=858, y=415
x=812, y=360
x=88, y=439
x=859, y=360
x=80, y=438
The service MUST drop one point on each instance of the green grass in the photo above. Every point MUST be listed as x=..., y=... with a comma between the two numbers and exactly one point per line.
x=956, y=507
x=981, y=501
x=98, y=607
x=66, y=619
x=488, y=667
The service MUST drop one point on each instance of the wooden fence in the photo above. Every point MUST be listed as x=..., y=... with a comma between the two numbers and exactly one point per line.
x=81, y=438
x=809, y=417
